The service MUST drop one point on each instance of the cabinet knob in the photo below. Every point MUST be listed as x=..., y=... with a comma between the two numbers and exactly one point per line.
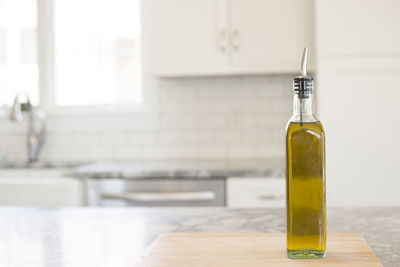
x=222, y=40
x=235, y=39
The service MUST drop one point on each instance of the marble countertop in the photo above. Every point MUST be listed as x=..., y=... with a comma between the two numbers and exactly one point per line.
x=269, y=167
x=118, y=236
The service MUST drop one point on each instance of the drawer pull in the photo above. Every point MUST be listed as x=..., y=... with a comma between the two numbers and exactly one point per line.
x=270, y=197
x=162, y=196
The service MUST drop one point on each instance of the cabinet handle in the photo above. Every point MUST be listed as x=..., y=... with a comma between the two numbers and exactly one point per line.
x=270, y=197
x=222, y=40
x=235, y=39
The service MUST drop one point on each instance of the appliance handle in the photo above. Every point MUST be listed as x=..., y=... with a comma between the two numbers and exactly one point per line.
x=162, y=196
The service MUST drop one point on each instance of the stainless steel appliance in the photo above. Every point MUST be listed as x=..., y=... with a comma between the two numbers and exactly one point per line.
x=156, y=192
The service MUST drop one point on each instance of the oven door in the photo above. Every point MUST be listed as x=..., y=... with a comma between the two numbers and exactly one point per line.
x=156, y=192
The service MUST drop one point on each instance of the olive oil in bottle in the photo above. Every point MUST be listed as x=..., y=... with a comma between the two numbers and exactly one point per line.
x=305, y=173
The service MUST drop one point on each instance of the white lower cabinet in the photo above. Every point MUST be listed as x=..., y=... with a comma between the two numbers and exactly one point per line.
x=252, y=192
x=39, y=188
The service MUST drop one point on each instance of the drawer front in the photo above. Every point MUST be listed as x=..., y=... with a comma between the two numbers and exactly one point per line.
x=157, y=192
x=255, y=192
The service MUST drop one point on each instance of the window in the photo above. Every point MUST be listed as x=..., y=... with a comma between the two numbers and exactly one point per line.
x=18, y=50
x=96, y=54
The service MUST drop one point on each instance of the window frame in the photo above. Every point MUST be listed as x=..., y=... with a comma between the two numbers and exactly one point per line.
x=46, y=67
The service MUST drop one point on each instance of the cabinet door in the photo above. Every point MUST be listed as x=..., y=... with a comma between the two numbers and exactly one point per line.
x=185, y=37
x=252, y=192
x=358, y=27
x=269, y=35
x=360, y=119
x=357, y=99
x=46, y=192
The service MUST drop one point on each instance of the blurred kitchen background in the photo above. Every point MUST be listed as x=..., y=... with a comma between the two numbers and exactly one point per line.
x=185, y=102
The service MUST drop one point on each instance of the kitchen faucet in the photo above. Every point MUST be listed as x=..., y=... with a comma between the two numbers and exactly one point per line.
x=36, y=125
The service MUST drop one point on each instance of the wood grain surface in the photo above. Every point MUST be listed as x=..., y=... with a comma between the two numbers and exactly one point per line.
x=241, y=249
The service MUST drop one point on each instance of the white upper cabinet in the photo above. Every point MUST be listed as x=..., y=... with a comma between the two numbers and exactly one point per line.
x=270, y=35
x=222, y=37
x=358, y=27
x=185, y=37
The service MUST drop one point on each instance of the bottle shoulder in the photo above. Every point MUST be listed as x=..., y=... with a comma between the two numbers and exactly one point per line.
x=311, y=127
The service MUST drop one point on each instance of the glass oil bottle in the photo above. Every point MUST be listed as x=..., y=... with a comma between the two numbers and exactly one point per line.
x=305, y=173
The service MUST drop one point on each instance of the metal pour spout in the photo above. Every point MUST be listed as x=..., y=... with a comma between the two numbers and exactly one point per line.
x=302, y=84
x=304, y=61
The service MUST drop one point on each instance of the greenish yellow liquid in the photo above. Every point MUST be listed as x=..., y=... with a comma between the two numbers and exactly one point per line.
x=305, y=190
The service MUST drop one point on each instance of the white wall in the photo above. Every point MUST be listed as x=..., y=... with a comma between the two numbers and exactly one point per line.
x=180, y=118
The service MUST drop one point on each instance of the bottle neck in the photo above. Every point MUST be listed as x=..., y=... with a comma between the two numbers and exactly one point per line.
x=303, y=108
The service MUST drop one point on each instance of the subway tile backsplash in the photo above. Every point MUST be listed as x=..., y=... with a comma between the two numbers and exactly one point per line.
x=180, y=118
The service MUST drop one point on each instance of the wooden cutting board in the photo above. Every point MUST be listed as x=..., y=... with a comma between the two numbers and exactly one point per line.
x=216, y=249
